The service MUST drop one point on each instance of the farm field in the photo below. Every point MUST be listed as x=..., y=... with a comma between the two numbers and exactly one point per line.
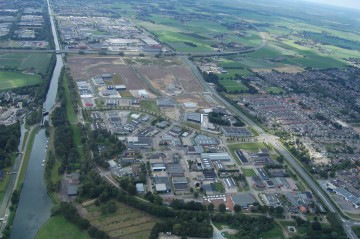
x=11, y=80
x=233, y=86
x=125, y=223
x=22, y=61
x=58, y=227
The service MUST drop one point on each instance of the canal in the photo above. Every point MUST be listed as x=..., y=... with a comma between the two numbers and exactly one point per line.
x=34, y=206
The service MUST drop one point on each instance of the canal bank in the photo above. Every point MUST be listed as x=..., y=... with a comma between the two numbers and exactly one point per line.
x=34, y=207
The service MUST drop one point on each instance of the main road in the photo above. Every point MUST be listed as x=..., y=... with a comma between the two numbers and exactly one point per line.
x=276, y=144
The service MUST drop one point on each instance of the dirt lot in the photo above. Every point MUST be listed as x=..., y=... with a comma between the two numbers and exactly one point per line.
x=87, y=67
x=159, y=77
x=186, y=78
x=201, y=102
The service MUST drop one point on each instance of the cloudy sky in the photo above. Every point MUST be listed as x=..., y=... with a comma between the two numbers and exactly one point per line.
x=343, y=3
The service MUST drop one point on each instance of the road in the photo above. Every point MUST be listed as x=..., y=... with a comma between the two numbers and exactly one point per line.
x=276, y=144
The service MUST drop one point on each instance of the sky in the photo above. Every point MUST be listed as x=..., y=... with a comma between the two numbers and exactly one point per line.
x=342, y=3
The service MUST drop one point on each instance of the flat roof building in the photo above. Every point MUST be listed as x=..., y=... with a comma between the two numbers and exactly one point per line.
x=245, y=200
x=180, y=183
x=205, y=140
x=216, y=156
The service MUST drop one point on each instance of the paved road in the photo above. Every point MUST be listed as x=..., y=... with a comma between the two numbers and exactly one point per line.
x=216, y=233
x=276, y=144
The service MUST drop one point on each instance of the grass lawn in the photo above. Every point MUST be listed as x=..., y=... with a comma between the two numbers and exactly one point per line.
x=58, y=227
x=11, y=80
x=357, y=230
x=3, y=185
x=150, y=105
x=274, y=90
x=275, y=233
x=253, y=147
x=219, y=187
x=233, y=86
x=26, y=156
x=248, y=172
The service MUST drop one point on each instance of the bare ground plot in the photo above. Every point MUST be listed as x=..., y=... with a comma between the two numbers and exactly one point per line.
x=86, y=67
x=346, y=206
x=80, y=65
x=201, y=102
x=173, y=113
x=130, y=78
x=187, y=79
x=160, y=78
x=125, y=223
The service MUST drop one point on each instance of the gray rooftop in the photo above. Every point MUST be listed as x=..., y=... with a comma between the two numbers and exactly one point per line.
x=243, y=199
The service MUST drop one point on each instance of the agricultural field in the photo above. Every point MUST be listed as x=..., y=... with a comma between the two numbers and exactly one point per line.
x=125, y=223
x=203, y=31
x=22, y=61
x=233, y=86
x=11, y=80
x=58, y=227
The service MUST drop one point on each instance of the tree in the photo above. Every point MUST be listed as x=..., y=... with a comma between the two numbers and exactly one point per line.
x=316, y=226
x=211, y=207
x=237, y=208
x=279, y=210
x=111, y=207
x=222, y=208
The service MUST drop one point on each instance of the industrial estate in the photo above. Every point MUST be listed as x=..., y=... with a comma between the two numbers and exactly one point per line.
x=179, y=119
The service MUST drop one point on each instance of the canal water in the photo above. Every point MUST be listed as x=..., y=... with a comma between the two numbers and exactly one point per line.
x=34, y=206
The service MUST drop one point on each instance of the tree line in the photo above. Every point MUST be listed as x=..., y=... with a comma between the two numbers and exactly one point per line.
x=9, y=141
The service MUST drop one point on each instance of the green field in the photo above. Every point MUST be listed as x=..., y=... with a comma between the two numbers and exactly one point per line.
x=357, y=230
x=58, y=227
x=219, y=187
x=23, y=61
x=248, y=172
x=253, y=147
x=274, y=90
x=233, y=86
x=275, y=233
x=12, y=80
x=149, y=105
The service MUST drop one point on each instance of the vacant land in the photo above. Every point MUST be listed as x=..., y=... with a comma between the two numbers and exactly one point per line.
x=22, y=61
x=149, y=105
x=125, y=223
x=11, y=80
x=253, y=147
x=58, y=227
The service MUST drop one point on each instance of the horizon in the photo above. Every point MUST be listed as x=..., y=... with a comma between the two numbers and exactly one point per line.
x=350, y=4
